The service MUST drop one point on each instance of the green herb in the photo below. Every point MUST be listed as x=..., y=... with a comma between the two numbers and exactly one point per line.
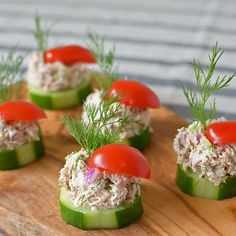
x=41, y=35
x=9, y=76
x=95, y=134
x=106, y=61
x=82, y=197
x=108, y=184
x=206, y=87
x=80, y=158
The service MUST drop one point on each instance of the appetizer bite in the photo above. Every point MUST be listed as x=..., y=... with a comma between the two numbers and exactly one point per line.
x=58, y=78
x=206, y=148
x=135, y=98
x=100, y=184
x=20, y=136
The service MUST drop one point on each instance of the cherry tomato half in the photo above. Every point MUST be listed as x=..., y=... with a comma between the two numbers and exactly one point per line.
x=120, y=159
x=222, y=132
x=21, y=111
x=68, y=55
x=135, y=94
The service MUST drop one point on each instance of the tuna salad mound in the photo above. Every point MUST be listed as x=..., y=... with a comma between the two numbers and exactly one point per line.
x=140, y=116
x=56, y=76
x=15, y=133
x=212, y=162
x=93, y=189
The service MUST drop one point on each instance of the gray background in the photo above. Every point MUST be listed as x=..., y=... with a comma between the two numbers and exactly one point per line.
x=156, y=40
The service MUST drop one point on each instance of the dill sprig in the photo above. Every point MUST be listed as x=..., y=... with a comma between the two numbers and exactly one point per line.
x=9, y=76
x=95, y=133
x=41, y=35
x=207, y=86
x=105, y=60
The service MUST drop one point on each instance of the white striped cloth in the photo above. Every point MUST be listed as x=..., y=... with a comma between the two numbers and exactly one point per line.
x=156, y=40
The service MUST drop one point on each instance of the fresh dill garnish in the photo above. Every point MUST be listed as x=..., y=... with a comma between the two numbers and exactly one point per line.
x=95, y=133
x=108, y=112
x=207, y=86
x=10, y=65
x=105, y=60
x=41, y=35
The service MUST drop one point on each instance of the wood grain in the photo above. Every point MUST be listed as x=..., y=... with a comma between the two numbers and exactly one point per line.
x=29, y=196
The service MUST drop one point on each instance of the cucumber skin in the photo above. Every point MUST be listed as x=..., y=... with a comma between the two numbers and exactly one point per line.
x=124, y=216
x=8, y=158
x=140, y=141
x=136, y=214
x=70, y=217
x=44, y=100
x=187, y=181
x=228, y=189
x=183, y=180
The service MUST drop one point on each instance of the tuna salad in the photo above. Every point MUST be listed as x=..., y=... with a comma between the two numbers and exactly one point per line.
x=212, y=162
x=15, y=133
x=54, y=76
x=94, y=189
x=140, y=116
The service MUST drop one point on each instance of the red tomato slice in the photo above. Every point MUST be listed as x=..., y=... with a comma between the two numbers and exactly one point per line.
x=68, y=55
x=120, y=159
x=135, y=94
x=21, y=111
x=222, y=132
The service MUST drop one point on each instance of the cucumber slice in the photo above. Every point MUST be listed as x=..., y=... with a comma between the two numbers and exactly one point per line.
x=189, y=183
x=112, y=218
x=140, y=141
x=21, y=156
x=61, y=99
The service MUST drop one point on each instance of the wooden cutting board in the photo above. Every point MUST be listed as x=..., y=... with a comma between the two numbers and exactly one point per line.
x=29, y=196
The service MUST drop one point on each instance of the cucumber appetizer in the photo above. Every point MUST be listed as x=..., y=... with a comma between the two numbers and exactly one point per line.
x=206, y=148
x=58, y=78
x=135, y=97
x=21, y=141
x=100, y=184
